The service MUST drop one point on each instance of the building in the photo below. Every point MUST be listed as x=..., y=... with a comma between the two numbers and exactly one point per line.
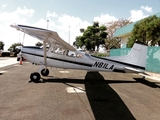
x=125, y=32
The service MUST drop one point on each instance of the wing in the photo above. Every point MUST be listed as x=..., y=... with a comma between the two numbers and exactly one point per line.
x=44, y=35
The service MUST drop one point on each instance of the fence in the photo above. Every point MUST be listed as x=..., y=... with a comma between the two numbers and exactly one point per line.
x=153, y=57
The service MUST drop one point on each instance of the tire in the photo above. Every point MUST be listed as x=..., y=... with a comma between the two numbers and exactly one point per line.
x=35, y=77
x=45, y=72
x=18, y=59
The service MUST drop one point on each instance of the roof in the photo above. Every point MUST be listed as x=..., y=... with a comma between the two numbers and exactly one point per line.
x=123, y=31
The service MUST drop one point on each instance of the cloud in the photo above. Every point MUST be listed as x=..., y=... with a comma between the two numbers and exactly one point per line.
x=60, y=24
x=25, y=11
x=146, y=8
x=137, y=15
x=51, y=14
x=4, y=6
x=105, y=18
x=69, y=27
x=140, y=14
x=9, y=35
x=18, y=16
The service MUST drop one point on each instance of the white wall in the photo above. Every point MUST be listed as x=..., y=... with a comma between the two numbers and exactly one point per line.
x=124, y=41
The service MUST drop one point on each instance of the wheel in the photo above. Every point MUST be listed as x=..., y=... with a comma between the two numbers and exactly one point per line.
x=45, y=72
x=22, y=58
x=18, y=59
x=35, y=77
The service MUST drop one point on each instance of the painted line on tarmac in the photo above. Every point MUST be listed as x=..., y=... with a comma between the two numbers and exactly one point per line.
x=1, y=72
x=75, y=90
x=64, y=71
x=17, y=65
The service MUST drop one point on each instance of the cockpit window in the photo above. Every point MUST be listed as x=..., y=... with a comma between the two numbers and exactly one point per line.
x=55, y=48
x=59, y=51
x=73, y=54
x=70, y=53
x=79, y=55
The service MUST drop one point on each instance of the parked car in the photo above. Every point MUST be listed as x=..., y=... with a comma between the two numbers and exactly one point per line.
x=5, y=53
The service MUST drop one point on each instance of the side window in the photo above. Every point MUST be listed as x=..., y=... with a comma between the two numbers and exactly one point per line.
x=59, y=51
x=70, y=53
x=73, y=54
x=79, y=55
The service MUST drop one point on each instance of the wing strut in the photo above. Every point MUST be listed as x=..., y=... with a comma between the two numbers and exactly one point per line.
x=45, y=53
x=23, y=38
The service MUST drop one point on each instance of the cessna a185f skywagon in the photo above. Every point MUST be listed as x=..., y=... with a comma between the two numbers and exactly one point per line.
x=57, y=53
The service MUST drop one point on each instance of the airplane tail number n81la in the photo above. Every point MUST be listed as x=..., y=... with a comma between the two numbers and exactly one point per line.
x=57, y=53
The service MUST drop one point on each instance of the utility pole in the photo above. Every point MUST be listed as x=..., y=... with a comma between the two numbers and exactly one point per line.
x=19, y=38
x=47, y=24
x=69, y=35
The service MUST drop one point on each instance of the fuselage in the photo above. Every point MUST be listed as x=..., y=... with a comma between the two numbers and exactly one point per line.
x=76, y=60
x=73, y=60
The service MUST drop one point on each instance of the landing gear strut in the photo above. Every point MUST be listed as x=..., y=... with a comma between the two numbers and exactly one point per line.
x=35, y=77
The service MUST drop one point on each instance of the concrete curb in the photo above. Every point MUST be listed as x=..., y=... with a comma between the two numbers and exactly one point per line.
x=154, y=76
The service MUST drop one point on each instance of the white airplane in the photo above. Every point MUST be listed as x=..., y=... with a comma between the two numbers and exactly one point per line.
x=58, y=53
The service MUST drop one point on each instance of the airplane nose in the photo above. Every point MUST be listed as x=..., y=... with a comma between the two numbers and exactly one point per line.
x=14, y=26
x=28, y=53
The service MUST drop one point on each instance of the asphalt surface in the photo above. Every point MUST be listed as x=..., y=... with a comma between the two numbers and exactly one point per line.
x=76, y=95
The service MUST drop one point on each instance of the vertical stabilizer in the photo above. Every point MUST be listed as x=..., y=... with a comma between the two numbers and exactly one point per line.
x=138, y=55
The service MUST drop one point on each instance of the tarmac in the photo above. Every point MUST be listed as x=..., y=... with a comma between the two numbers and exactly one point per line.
x=5, y=61
x=76, y=95
x=154, y=76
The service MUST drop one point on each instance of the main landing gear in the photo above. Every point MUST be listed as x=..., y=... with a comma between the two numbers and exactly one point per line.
x=35, y=77
x=45, y=72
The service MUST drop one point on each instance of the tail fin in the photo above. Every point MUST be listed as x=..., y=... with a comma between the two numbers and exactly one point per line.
x=137, y=55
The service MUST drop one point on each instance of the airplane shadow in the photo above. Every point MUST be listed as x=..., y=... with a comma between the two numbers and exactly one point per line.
x=147, y=83
x=104, y=101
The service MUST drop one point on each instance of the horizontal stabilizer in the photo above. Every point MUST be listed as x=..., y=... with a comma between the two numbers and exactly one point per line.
x=131, y=70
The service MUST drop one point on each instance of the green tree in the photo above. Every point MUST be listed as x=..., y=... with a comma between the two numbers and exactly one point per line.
x=13, y=47
x=111, y=42
x=2, y=45
x=92, y=37
x=146, y=31
x=39, y=44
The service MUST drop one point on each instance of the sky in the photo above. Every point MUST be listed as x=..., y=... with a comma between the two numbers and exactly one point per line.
x=66, y=17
